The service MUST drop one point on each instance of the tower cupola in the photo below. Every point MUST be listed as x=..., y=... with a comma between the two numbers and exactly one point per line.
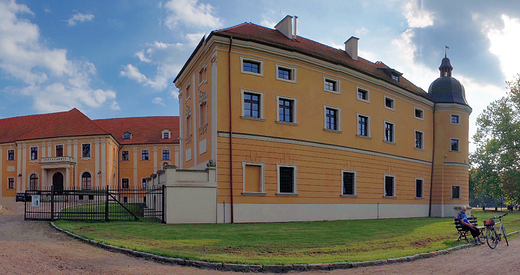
x=447, y=89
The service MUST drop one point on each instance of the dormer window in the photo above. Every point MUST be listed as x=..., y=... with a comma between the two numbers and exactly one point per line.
x=127, y=136
x=166, y=134
x=395, y=77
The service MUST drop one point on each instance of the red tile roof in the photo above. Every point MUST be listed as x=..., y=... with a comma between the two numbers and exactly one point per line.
x=274, y=38
x=74, y=123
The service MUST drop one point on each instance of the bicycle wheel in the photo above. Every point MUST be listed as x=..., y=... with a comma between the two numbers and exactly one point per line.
x=505, y=236
x=491, y=237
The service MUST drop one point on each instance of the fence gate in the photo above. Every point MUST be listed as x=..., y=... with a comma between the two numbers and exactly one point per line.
x=95, y=205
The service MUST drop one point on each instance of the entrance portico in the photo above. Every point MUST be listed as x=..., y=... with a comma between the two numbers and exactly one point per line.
x=58, y=171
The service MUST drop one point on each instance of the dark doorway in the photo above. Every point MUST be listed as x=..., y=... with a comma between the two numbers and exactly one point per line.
x=57, y=181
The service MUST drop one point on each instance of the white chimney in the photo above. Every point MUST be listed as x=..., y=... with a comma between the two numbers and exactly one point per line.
x=351, y=47
x=295, y=19
x=285, y=26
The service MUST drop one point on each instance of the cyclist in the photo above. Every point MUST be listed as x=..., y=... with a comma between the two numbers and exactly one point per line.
x=466, y=225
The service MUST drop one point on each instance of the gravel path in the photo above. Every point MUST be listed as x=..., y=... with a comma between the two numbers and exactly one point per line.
x=30, y=247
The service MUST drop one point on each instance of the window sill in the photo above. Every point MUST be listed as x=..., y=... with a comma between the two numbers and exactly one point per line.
x=287, y=194
x=365, y=137
x=125, y=160
x=286, y=80
x=253, y=118
x=33, y=161
x=348, y=196
x=455, y=198
x=455, y=151
x=253, y=194
x=419, y=149
x=87, y=158
x=389, y=197
x=332, y=131
x=419, y=198
x=287, y=123
x=145, y=160
x=165, y=159
x=389, y=142
x=363, y=100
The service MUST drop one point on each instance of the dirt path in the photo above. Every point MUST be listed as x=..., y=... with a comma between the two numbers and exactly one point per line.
x=29, y=247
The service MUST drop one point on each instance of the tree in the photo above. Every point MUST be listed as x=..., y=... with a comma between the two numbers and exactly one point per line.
x=497, y=157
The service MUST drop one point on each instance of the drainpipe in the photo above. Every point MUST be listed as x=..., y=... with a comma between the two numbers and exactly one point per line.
x=230, y=132
x=433, y=159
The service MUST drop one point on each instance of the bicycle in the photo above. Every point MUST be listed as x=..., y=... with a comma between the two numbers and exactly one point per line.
x=492, y=236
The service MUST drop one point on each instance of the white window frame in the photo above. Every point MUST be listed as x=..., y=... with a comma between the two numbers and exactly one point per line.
x=393, y=132
x=393, y=103
x=294, y=110
x=293, y=70
x=165, y=131
x=451, y=119
x=295, y=175
x=143, y=183
x=384, y=186
x=355, y=183
x=262, y=178
x=128, y=183
x=56, y=149
x=367, y=100
x=338, y=118
x=338, y=85
x=148, y=153
x=261, y=94
x=37, y=154
x=451, y=192
x=14, y=155
x=422, y=188
x=169, y=154
x=202, y=74
x=245, y=59
x=368, y=126
x=422, y=140
x=458, y=144
x=91, y=179
x=128, y=154
x=415, y=109
x=86, y=158
x=14, y=183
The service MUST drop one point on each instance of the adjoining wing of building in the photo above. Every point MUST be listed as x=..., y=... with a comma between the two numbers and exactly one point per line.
x=71, y=151
x=301, y=131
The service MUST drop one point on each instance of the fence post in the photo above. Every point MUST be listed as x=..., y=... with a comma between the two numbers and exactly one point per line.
x=52, y=202
x=163, y=202
x=106, y=206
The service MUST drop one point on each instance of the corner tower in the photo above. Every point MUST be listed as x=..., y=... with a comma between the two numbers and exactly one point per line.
x=450, y=177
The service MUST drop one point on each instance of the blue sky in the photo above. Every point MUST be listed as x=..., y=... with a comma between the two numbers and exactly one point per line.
x=118, y=58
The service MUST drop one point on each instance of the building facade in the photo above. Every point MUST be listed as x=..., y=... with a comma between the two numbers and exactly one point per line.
x=300, y=131
x=71, y=151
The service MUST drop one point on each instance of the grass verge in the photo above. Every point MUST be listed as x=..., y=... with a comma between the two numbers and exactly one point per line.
x=284, y=243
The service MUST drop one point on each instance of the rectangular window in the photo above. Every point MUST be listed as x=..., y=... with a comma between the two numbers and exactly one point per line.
x=454, y=145
x=455, y=191
x=285, y=73
x=252, y=105
x=348, y=183
x=389, y=103
x=362, y=95
x=253, y=181
x=419, y=113
x=331, y=119
x=10, y=154
x=125, y=183
x=144, y=155
x=203, y=113
x=34, y=153
x=143, y=183
x=389, y=132
x=285, y=110
x=331, y=85
x=10, y=183
x=166, y=135
x=203, y=75
x=59, y=150
x=85, y=150
x=419, y=188
x=455, y=119
x=188, y=125
x=389, y=186
x=419, y=140
x=395, y=77
x=363, y=126
x=166, y=154
x=286, y=179
x=124, y=155
x=251, y=66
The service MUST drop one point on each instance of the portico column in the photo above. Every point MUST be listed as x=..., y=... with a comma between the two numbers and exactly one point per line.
x=67, y=179
x=44, y=178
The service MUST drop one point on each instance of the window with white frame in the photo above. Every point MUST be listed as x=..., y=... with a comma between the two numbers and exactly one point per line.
x=389, y=132
x=363, y=125
x=348, y=183
x=455, y=191
x=285, y=73
x=10, y=183
x=125, y=183
x=34, y=153
x=419, y=140
x=286, y=109
x=85, y=150
x=454, y=145
x=253, y=178
x=143, y=183
x=59, y=150
x=10, y=154
x=389, y=103
x=125, y=155
x=390, y=186
x=252, y=66
x=166, y=134
x=331, y=85
x=86, y=181
x=455, y=119
x=203, y=75
x=363, y=95
x=252, y=105
x=419, y=113
x=166, y=154
x=145, y=155
x=286, y=178
x=419, y=188
x=33, y=182
x=332, y=119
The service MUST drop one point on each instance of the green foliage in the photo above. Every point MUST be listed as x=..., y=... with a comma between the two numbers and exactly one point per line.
x=497, y=157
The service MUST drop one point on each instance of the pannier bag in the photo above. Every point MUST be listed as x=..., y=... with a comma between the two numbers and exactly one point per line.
x=489, y=222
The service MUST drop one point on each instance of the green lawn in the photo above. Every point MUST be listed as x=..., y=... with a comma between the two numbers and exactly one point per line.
x=284, y=243
x=97, y=212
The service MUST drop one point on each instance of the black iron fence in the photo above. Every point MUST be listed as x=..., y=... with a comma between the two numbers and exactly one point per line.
x=95, y=205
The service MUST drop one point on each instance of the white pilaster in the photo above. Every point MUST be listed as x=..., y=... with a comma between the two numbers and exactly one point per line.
x=96, y=183
x=103, y=164
x=134, y=168
x=213, y=108
x=75, y=156
x=24, y=167
x=154, y=159
x=194, y=121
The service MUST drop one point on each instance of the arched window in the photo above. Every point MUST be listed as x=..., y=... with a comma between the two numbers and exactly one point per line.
x=86, y=181
x=33, y=182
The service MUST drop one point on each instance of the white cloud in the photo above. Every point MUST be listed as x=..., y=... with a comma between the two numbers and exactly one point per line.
x=54, y=82
x=142, y=57
x=416, y=16
x=360, y=32
x=190, y=13
x=79, y=17
x=158, y=100
x=132, y=72
x=194, y=38
x=504, y=44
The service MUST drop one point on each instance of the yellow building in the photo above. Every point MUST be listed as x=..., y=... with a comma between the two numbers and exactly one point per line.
x=71, y=151
x=300, y=131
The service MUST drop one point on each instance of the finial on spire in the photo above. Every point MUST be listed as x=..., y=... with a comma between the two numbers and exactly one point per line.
x=446, y=48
